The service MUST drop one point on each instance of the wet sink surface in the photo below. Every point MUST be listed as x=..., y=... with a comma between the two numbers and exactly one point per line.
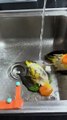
x=19, y=40
x=12, y=51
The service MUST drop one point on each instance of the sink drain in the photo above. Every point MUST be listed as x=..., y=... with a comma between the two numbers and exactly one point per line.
x=15, y=70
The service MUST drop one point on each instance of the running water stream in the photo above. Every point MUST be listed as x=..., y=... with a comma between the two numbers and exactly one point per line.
x=41, y=33
x=40, y=42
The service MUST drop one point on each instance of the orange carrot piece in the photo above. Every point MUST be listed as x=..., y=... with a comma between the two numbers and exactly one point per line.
x=45, y=90
x=64, y=59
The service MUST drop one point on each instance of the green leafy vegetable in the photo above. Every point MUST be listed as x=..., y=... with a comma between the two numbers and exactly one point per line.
x=34, y=88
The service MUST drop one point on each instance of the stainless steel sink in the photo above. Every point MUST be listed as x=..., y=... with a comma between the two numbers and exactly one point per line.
x=19, y=40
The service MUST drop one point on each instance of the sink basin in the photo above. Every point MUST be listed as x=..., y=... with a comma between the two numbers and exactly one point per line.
x=19, y=40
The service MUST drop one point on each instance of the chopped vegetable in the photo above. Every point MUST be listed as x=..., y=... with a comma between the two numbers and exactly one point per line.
x=36, y=72
x=34, y=88
x=29, y=84
x=51, y=58
x=39, y=78
x=45, y=90
x=64, y=59
x=58, y=59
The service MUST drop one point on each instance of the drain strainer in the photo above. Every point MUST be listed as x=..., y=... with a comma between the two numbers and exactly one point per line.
x=16, y=69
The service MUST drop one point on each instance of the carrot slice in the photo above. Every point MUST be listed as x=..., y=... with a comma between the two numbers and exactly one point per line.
x=46, y=90
x=64, y=59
